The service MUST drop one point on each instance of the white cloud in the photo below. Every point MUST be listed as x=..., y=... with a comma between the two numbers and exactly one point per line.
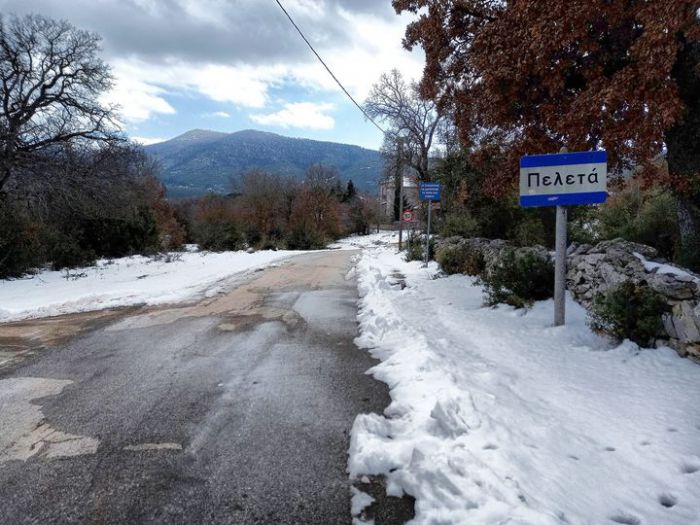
x=241, y=85
x=143, y=83
x=140, y=85
x=307, y=115
x=137, y=100
x=307, y=8
x=218, y=114
x=376, y=49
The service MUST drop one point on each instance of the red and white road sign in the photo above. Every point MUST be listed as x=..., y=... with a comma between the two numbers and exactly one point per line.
x=407, y=216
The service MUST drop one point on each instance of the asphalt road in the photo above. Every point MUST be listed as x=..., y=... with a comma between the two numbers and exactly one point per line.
x=236, y=409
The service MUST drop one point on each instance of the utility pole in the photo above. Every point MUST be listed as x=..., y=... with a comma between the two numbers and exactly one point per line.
x=399, y=160
x=380, y=202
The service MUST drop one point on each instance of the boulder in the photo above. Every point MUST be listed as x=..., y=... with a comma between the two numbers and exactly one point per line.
x=686, y=322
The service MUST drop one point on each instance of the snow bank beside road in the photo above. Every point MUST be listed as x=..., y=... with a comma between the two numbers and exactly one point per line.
x=356, y=242
x=126, y=281
x=498, y=417
x=141, y=280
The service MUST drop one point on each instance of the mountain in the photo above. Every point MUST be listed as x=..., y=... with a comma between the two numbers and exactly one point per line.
x=201, y=161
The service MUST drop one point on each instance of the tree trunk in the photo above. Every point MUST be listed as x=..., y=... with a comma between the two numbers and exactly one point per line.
x=397, y=199
x=688, y=224
x=683, y=156
x=5, y=174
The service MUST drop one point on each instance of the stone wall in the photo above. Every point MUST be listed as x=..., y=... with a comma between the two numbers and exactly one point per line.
x=594, y=270
x=490, y=249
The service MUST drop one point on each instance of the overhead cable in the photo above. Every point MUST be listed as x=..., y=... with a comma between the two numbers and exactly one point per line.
x=328, y=68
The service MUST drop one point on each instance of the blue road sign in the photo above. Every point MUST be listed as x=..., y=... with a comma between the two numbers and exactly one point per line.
x=563, y=179
x=429, y=191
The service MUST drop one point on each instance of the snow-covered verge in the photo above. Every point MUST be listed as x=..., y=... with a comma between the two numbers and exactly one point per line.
x=127, y=281
x=142, y=280
x=356, y=242
x=499, y=417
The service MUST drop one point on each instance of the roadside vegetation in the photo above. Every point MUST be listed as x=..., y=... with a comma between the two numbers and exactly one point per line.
x=630, y=311
x=74, y=189
x=270, y=212
x=485, y=117
x=580, y=90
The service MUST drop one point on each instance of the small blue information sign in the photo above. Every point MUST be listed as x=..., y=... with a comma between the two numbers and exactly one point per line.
x=429, y=191
x=563, y=179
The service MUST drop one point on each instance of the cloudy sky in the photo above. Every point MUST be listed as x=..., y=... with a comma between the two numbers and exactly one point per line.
x=236, y=64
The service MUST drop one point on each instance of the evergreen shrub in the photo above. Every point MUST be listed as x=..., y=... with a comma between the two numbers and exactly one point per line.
x=460, y=258
x=520, y=278
x=631, y=311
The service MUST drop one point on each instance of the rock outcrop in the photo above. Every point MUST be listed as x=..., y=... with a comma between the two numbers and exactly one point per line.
x=594, y=270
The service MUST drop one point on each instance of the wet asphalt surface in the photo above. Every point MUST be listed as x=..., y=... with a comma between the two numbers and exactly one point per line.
x=199, y=424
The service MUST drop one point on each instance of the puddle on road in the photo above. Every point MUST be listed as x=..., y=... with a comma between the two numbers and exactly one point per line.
x=327, y=311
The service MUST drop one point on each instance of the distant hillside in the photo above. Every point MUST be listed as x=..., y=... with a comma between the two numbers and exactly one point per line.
x=200, y=161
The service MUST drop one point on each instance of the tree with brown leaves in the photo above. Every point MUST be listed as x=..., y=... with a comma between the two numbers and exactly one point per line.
x=530, y=77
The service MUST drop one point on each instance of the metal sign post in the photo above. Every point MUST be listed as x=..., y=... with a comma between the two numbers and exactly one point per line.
x=560, y=267
x=429, y=191
x=561, y=180
x=427, y=237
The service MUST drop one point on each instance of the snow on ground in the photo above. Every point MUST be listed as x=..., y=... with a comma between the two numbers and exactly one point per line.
x=142, y=280
x=355, y=242
x=127, y=281
x=499, y=417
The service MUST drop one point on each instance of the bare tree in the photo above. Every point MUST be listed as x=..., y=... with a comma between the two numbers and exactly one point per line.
x=320, y=179
x=51, y=79
x=98, y=183
x=414, y=121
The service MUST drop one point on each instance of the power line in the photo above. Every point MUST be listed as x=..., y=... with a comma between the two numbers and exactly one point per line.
x=329, y=69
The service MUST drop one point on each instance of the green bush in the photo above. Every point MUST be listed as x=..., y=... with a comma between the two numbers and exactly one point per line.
x=520, y=278
x=65, y=251
x=647, y=217
x=630, y=311
x=583, y=224
x=136, y=232
x=219, y=236
x=303, y=237
x=253, y=235
x=460, y=258
x=415, y=248
x=20, y=241
x=528, y=232
x=459, y=223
